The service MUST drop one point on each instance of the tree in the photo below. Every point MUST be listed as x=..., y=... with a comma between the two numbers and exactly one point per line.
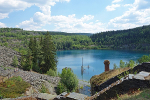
x=49, y=54
x=26, y=60
x=144, y=58
x=15, y=61
x=122, y=64
x=68, y=80
x=115, y=66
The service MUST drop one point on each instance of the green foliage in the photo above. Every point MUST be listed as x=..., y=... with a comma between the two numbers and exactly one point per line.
x=49, y=54
x=60, y=88
x=134, y=39
x=144, y=58
x=17, y=79
x=69, y=79
x=130, y=64
x=43, y=89
x=51, y=72
x=15, y=61
x=123, y=75
x=26, y=61
x=122, y=64
x=81, y=87
x=13, y=87
x=115, y=66
x=68, y=82
x=41, y=55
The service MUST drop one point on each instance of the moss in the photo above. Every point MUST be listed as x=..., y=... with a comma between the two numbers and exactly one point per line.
x=99, y=79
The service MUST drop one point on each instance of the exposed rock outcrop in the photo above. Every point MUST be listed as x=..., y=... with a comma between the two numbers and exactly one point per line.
x=6, y=56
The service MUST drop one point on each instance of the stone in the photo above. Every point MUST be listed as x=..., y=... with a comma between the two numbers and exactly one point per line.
x=46, y=96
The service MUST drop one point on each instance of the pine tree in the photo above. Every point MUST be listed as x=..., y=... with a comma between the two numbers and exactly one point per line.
x=49, y=54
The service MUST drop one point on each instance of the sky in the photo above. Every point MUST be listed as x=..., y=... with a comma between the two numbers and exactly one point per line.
x=75, y=16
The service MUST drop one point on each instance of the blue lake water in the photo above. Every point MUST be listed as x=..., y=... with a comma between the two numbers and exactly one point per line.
x=93, y=58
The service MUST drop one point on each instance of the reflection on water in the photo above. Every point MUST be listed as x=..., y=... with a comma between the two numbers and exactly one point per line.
x=94, y=59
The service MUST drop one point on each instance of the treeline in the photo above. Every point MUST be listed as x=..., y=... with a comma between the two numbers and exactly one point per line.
x=72, y=42
x=18, y=39
x=134, y=39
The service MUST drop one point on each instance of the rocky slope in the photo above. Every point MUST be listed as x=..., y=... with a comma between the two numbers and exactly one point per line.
x=6, y=56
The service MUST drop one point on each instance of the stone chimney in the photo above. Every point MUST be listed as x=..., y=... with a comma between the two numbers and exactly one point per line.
x=106, y=62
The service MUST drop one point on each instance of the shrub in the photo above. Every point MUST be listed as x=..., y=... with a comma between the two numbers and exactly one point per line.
x=122, y=64
x=60, y=88
x=51, y=72
x=144, y=58
x=18, y=78
x=69, y=79
x=15, y=61
x=115, y=66
x=44, y=89
x=13, y=87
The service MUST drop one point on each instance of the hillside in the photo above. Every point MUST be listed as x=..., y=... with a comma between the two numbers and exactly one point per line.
x=131, y=39
x=18, y=39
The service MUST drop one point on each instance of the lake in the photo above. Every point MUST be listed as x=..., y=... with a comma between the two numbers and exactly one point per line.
x=94, y=59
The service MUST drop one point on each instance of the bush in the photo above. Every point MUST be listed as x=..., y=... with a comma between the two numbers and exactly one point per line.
x=69, y=79
x=115, y=66
x=144, y=58
x=51, y=72
x=44, y=89
x=122, y=64
x=13, y=87
x=60, y=88
x=15, y=61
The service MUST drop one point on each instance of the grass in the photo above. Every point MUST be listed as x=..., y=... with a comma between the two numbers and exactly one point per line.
x=44, y=89
x=99, y=79
x=13, y=87
x=81, y=87
x=137, y=95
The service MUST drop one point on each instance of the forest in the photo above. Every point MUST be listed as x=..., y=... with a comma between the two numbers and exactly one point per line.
x=129, y=39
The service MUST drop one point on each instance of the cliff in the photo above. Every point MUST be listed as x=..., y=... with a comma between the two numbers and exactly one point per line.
x=114, y=86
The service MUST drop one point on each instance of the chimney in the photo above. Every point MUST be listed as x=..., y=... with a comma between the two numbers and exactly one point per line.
x=106, y=62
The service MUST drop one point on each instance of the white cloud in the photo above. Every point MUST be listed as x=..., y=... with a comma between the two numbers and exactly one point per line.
x=62, y=23
x=142, y=4
x=7, y=6
x=116, y=1
x=29, y=25
x=87, y=17
x=112, y=7
x=137, y=15
x=2, y=25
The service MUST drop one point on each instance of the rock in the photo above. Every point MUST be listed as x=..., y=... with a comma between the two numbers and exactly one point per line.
x=7, y=55
x=46, y=96
x=71, y=96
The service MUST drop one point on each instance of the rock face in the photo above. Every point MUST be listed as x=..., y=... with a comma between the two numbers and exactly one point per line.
x=36, y=80
x=140, y=80
x=7, y=55
x=70, y=96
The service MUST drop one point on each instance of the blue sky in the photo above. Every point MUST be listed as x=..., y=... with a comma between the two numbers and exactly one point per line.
x=86, y=16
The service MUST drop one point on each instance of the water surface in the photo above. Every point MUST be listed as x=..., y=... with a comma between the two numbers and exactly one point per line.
x=94, y=59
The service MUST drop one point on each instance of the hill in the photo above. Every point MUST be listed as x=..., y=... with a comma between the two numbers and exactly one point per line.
x=131, y=39
x=18, y=39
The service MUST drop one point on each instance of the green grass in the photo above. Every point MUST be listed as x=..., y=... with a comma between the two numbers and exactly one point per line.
x=44, y=89
x=13, y=87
